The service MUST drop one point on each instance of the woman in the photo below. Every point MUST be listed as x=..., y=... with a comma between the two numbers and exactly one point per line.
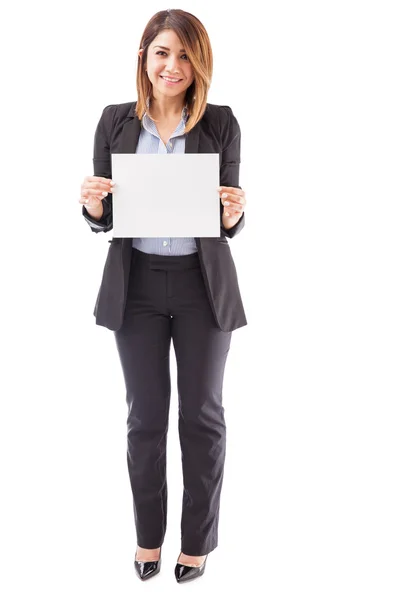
x=155, y=290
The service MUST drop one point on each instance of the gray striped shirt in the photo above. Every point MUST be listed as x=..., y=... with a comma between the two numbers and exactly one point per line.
x=150, y=143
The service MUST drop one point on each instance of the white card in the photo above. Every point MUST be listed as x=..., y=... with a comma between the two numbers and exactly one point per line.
x=166, y=195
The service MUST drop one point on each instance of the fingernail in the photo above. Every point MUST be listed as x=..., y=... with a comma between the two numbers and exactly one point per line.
x=219, y=188
x=224, y=195
x=104, y=193
x=227, y=214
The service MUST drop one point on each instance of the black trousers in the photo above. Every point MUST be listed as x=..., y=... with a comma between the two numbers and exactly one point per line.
x=167, y=299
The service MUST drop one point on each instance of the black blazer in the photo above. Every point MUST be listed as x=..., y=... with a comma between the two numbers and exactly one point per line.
x=217, y=131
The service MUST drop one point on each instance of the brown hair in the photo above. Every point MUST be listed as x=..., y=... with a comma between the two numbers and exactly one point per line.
x=197, y=46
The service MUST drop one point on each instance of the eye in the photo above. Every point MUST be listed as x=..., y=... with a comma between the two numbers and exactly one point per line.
x=162, y=52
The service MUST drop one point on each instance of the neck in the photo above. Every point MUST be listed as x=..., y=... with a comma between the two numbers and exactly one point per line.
x=166, y=108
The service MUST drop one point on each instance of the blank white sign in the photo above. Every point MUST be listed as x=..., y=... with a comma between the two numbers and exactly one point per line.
x=166, y=195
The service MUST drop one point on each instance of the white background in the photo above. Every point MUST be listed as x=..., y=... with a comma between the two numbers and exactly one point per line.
x=310, y=503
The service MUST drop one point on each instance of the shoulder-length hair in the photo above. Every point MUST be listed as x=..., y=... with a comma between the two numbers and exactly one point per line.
x=196, y=42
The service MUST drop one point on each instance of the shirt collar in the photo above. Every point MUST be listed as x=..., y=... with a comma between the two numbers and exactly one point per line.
x=151, y=127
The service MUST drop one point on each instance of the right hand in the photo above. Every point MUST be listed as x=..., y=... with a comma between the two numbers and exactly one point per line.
x=94, y=189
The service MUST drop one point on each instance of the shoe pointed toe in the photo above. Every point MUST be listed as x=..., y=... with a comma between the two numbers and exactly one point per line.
x=147, y=568
x=185, y=573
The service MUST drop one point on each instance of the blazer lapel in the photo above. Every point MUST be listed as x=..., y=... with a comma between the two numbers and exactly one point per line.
x=192, y=140
x=129, y=137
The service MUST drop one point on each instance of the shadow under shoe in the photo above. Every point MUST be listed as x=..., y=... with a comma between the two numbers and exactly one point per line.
x=184, y=573
x=145, y=569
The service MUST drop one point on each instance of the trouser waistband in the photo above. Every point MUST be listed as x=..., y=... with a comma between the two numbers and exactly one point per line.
x=167, y=263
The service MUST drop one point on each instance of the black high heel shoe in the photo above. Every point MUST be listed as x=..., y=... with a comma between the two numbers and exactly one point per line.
x=147, y=568
x=184, y=573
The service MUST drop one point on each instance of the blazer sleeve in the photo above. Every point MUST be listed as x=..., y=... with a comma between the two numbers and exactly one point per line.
x=230, y=163
x=102, y=168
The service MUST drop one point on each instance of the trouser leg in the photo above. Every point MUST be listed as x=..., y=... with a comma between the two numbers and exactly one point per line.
x=143, y=344
x=201, y=350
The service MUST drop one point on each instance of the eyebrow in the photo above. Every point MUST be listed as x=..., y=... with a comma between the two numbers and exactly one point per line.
x=165, y=48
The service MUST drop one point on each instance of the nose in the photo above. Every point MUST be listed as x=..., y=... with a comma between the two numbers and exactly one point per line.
x=172, y=64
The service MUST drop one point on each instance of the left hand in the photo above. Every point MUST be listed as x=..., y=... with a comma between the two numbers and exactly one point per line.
x=234, y=201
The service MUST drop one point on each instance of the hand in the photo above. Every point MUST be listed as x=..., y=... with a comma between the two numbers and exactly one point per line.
x=94, y=189
x=234, y=202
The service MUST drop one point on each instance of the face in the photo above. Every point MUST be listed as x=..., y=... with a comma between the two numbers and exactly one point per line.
x=169, y=61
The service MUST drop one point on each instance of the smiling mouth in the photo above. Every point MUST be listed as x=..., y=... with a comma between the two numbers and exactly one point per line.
x=170, y=80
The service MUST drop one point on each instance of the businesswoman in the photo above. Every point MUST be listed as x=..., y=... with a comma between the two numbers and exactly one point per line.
x=155, y=290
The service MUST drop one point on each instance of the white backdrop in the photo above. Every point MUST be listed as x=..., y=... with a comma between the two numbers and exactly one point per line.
x=310, y=501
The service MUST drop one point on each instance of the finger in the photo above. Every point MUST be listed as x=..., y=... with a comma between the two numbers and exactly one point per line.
x=232, y=215
x=89, y=201
x=233, y=205
x=91, y=198
x=96, y=187
x=94, y=193
x=88, y=196
x=231, y=190
x=96, y=178
x=233, y=198
x=231, y=209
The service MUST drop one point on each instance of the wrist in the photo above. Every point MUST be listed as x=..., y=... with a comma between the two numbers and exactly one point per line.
x=95, y=212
